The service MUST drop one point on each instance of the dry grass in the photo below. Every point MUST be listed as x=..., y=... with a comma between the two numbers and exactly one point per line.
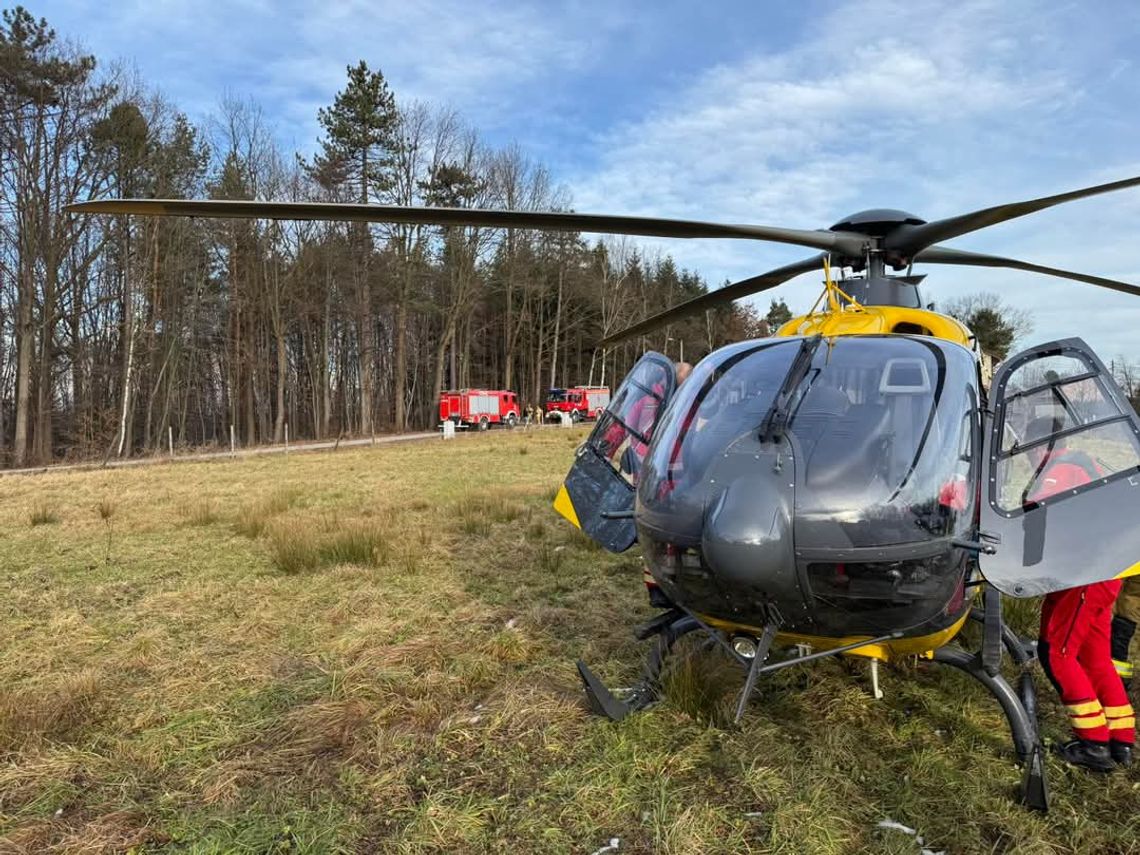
x=43, y=515
x=199, y=512
x=252, y=519
x=298, y=548
x=371, y=655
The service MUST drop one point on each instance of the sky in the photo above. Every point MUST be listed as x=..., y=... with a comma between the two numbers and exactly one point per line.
x=793, y=114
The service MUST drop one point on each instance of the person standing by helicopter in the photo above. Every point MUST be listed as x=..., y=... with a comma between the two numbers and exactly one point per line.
x=1125, y=617
x=1074, y=646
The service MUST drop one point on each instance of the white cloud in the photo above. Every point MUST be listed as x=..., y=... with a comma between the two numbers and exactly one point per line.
x=930, y=107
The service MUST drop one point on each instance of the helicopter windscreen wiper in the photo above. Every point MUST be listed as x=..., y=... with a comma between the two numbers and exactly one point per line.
x=776, y=420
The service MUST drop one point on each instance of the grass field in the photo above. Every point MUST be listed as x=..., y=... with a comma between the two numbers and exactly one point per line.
x=372, y=651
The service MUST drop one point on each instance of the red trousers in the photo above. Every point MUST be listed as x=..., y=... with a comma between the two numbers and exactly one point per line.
x=1075, y=650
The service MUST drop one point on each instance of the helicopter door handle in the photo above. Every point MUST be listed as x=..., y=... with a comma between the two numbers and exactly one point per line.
x=617, y=515
x=974, y=546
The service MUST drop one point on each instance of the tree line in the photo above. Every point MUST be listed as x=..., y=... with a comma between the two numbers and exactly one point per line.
x=118, y=332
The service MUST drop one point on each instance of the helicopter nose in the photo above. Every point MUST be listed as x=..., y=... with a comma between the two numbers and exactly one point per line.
x=747, y=537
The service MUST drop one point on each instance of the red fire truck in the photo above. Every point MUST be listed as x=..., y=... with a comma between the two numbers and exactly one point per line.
x=581, y=402
x=479, y=408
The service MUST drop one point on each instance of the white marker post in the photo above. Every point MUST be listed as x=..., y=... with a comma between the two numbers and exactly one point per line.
x=286, y=438
x=170, y=438
x=233, y=452
x=448, y=429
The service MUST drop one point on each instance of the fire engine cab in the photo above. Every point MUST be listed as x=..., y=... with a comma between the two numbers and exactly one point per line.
x=581, y=402
x=479, y=408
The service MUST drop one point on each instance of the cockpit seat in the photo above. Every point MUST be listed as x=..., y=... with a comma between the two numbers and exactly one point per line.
x=847, y=447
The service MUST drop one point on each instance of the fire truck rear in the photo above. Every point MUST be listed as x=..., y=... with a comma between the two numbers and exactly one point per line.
x=479, y=408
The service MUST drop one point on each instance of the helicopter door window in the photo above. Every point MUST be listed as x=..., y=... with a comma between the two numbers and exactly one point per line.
x=1062, y=461
x=1057, y=410
x=625, y=429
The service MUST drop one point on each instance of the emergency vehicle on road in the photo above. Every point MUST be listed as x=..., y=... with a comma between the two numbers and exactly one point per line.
x=581, y=402
x=479, y=408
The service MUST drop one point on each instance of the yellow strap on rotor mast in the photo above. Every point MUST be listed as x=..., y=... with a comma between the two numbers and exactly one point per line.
x=832, y=292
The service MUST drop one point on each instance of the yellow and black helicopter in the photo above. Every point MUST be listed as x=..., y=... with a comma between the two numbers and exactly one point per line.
x=849, y=486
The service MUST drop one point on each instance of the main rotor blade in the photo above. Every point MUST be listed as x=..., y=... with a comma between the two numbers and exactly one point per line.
x=712, y=299
x=944, y=255
x=909, y=240
x=847, y=243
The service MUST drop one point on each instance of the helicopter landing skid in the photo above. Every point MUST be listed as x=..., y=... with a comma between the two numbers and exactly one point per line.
x=1020, y=705
x=667, y=627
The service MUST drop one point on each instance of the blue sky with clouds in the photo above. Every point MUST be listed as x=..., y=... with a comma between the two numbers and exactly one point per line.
x=768, y=112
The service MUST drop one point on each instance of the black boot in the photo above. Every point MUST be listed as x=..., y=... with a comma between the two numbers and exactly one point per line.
x=1086, y=754
x=1121, y=753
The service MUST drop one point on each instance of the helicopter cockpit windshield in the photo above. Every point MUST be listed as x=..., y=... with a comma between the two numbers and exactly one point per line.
x=881, y=434
x=884, y=435
x=855, y=500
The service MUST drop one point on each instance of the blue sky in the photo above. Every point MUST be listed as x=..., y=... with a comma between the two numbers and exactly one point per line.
x=768, y=112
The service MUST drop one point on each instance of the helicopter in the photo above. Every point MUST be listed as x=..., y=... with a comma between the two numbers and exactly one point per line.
x=848, y=486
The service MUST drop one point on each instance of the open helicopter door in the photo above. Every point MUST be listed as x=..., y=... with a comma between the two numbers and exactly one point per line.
x=598, y=493
x=1062, y=473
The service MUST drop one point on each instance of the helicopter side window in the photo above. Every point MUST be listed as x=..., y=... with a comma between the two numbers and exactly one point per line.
x=724, y=398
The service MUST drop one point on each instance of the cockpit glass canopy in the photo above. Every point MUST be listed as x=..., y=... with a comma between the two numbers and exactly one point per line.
x=880, y=434
x=885, y=434
x=725, y=397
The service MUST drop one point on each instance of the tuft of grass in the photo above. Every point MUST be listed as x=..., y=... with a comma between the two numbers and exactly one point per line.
x=298, y=549
x=43, y=515
x=253, y=519
x=702, y=684
x=58, y=712
x=358, y=544
x=550, y=557
x=478, y=513
x=200, y=513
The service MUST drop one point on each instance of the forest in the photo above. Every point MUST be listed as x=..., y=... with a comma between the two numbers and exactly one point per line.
x=120, y=335
x=118, y=332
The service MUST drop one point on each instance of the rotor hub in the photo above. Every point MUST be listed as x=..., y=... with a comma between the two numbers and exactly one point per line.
x=877, y=222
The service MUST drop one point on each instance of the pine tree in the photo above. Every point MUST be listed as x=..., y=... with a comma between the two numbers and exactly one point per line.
x=357, y=154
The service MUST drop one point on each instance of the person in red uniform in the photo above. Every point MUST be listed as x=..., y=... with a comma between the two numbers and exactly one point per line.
x=1074, y=645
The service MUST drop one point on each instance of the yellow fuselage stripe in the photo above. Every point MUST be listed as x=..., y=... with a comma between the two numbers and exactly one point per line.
x=885, y=651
